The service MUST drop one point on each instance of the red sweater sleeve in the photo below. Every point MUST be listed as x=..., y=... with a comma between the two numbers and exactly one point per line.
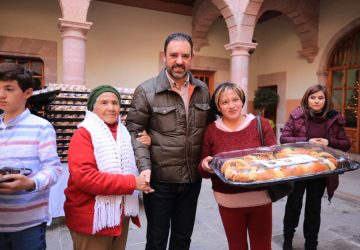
x=205, y=151
x=84, y=173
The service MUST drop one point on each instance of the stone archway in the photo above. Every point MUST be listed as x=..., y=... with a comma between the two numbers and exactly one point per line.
x=201, y=23
x=304, y=14
x=326, y=54
x=240, y=18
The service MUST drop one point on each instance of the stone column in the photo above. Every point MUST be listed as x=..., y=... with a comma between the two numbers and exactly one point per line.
x=239, y=65
x=74, y=46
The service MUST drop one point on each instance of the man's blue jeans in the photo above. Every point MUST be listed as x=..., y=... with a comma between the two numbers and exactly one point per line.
x=32, y=238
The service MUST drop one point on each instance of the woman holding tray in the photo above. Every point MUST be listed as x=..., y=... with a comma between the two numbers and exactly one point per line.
x=314, y=121
x=243, y=211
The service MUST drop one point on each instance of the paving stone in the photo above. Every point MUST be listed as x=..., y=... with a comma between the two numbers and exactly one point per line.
x=340, y=225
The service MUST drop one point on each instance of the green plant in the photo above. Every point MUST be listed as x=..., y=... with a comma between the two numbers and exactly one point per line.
x=272, y=124
x=264, y=98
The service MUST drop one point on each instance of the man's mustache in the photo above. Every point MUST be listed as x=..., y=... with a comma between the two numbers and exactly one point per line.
x=179, y=66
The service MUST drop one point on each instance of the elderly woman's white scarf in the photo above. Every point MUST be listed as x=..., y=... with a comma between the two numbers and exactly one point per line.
x=115, y=157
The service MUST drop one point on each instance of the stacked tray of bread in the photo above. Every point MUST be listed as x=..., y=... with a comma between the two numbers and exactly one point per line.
x=280, y=163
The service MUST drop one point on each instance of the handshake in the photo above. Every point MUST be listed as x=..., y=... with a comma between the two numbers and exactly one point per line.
x=143, y=182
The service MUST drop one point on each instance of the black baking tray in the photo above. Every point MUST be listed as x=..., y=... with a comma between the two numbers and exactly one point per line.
x=9, y=170
x=346, y=162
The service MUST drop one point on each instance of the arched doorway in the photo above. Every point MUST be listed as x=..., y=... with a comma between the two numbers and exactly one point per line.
x=343, y=83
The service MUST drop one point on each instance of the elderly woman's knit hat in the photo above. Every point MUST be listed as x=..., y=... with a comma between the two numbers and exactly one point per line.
x=94, y=94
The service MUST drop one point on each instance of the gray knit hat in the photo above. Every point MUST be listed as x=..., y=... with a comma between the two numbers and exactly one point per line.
x=94, y=94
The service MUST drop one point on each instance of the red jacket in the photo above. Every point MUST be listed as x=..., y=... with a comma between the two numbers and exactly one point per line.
x=85, y=182
x=296, y=128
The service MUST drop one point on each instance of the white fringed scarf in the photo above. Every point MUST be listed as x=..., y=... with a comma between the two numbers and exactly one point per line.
x=115, y=157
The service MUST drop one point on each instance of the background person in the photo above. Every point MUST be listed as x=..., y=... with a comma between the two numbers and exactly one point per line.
x=101, y=195
x=243, y=211
x=314, y=121
x=30, y=141
x=173, y=108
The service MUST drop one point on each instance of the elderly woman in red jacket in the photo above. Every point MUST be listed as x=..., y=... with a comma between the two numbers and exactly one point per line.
x=314, y=121
x=101, y=195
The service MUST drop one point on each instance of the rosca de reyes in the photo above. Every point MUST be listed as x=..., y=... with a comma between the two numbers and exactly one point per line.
x=286, y=162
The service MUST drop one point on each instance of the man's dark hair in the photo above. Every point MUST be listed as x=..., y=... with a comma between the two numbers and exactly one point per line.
x=13, y=71
x=178, y=36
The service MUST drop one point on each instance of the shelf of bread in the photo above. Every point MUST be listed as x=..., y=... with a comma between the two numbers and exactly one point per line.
x=66, y=101
x=65, y=112
x=71, y=88
x=63, y=144
x=65, y=130
x=265, y=166
x=63, y=137
x=125, y=102
x=68, y=108
x=126, y=95
x=65, y=123
x=124, y=110
x=54, y=116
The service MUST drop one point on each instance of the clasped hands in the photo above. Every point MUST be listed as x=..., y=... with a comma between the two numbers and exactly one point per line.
x=320, y=141
x=143, y=181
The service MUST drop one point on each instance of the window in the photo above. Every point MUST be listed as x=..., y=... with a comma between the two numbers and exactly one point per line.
x=205, y=76
x=343, y=80
x=36, y=65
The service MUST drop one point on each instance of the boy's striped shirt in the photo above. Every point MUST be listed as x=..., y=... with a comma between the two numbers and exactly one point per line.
x=32, y=140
